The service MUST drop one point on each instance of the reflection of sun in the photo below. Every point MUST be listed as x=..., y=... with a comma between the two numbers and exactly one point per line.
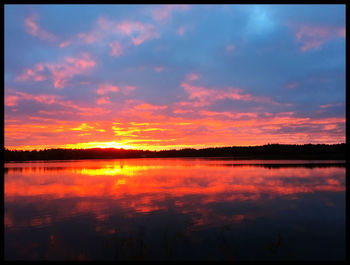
x=109, y=171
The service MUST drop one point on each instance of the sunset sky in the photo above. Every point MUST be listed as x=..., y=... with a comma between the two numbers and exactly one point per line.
x=173, y=76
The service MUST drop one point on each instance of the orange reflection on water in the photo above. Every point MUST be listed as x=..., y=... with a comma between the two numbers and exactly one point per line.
x=146, y=185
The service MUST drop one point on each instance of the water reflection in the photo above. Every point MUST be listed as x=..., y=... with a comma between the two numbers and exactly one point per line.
x=175, y=209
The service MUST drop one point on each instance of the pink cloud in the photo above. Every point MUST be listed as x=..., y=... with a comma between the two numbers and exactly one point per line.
x=230, y=47
x=127, y=89
x=143, y=31
x=341, y=32
x=181, y=30
x=146, y=106
x=231, y=115
x=104, y=29
x=206, y=96
x=326, y=106
x=192, y=76
x=103, y=100
x=116, y=48
x=65, y=44
x=34, y=29
x=71, y=66
x=106, y=88
x=11, y=100
x=87, y=38
x=292, y=85
x=12, y=97
x=35, y=74
x=60, y=72
x=165, y=11
x=158, y=69
x=313, y=37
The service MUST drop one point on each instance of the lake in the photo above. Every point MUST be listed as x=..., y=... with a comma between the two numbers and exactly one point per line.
x=175, y=209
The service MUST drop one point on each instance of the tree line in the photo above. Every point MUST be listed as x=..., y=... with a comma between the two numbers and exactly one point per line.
x=269, y=151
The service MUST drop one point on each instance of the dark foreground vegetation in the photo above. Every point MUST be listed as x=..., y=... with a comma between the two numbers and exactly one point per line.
x=270, y=151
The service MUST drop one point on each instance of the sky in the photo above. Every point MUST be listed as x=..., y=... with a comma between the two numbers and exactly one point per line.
x=161, y=77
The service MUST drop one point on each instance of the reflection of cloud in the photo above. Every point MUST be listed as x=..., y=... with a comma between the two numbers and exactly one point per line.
x=141, y=186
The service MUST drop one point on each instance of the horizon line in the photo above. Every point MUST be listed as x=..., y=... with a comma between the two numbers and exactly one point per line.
x=192, y=148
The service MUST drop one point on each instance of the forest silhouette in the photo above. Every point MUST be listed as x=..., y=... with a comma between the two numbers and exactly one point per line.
x=269, y=151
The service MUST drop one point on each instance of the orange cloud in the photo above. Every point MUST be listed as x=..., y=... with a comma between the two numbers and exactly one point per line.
x=103, y=100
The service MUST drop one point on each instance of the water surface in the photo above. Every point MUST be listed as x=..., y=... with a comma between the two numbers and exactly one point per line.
x=184, y=208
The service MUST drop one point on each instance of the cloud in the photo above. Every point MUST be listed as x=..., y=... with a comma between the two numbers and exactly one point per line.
x=54, y=100
x=206, y=96
x=181, y=30
x=11, y=100
x=146, y=106
x=313, y=37
x=87, y=38
x=105, y=29
x=60, y=72
x=164, y=12
x=103, y=100
x=106, y=88
x=65, y=44
x=116, y=48
x=127, y=89
x=138, y=31
x=192, y=77
x=159, y=69
x=34, y=29
x=230, y=47
x=35, y=74
x=292, y=85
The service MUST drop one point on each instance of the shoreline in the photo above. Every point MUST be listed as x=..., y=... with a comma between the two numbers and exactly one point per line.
x=265, y=152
